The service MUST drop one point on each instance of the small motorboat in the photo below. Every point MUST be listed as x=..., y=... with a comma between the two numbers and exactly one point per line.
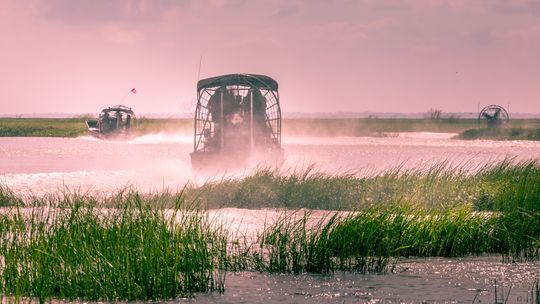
x=115, y=121
x=237, y=122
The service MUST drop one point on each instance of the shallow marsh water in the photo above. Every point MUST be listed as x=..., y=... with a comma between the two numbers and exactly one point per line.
x=155, y=162
x=415, y=281
x=159, y=161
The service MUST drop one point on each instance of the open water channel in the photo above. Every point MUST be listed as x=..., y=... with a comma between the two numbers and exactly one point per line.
x=155, y=162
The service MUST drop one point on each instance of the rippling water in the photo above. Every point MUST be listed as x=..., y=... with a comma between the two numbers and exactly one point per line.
x=416, y=281
x=155, y=162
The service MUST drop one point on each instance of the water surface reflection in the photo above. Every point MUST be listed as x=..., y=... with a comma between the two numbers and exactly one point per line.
x=158, y=161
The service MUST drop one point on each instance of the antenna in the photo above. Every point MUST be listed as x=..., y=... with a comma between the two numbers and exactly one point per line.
x=478, y=111
x=199, y=73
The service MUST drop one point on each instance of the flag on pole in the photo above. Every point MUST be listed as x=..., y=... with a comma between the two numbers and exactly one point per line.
x=133, y=91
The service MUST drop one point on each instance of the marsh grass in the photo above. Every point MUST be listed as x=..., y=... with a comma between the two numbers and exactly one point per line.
x=383, y=126
x=371, y=127
x=135, y=251
x=367, y=241
x=72, y=127
x=8, y=198
x=133, y=246
x=503, y=186
x=507, y=186
x=46, y=127
x=437, y=211
x=501, y=134
x=533, y=295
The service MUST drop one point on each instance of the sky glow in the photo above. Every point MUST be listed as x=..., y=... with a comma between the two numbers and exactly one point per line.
x=65, y=56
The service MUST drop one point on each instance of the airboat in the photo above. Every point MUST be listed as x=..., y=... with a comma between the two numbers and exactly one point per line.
x=112, y=122
x=494, y=115
x=237, y=122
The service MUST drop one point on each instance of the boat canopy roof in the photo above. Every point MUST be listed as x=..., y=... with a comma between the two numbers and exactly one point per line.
x=119, y=108
x=253, y=80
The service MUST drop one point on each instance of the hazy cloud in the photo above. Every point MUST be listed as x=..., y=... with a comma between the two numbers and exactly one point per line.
x=219, y=4
x=482, y=37
x=106, y=11
x=403, y=52
x=520, y=7
x=390, y=5
x=340, y=31
x=529, y=34
x=285, y=11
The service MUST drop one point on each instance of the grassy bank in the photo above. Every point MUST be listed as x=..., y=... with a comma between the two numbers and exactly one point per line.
x=501, y=134
x=386, y=126
x=291, y=127
x=131, y=246
x=42, y=127
x=73, y=127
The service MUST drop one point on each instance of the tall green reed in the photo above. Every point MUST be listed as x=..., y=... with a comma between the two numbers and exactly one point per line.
x=135, y=251
x=8, y=197
x=367, y=241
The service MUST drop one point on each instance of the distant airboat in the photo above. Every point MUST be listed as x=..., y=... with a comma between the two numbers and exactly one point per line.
x=237, y=121
x=112, y=122
x=495, y=116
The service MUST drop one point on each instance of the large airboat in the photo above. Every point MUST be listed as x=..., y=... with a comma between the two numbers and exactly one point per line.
x=115, y=121
x=237, y=122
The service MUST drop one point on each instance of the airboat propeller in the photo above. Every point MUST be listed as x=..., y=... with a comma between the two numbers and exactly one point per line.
x=494, y=115
x=237, y=121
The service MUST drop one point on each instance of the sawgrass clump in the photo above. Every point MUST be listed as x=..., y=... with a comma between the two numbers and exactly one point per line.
x=503, y=186
x=135, y=251
x=367, y=241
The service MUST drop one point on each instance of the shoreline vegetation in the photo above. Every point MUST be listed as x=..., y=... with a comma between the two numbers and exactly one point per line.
x=135, y=246
x=526, y=129
x=501, y=134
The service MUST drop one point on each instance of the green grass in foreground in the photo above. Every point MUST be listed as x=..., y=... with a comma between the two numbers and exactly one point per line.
x=158, y=246
x=501, y=134
x=132, y=252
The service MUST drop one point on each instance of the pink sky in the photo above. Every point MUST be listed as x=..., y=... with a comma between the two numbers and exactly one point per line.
x=327, y=55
